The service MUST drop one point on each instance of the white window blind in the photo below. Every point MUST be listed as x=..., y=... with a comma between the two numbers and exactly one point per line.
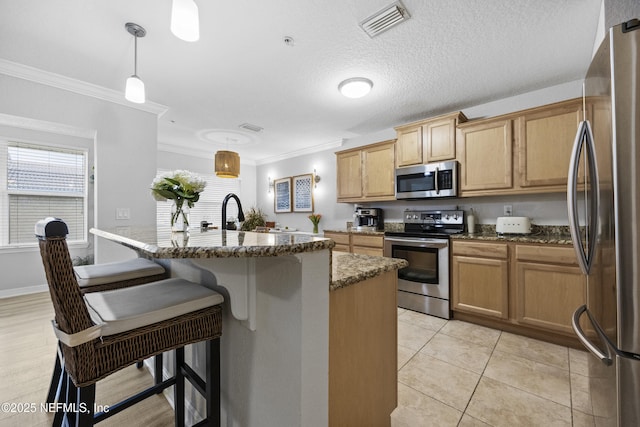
x=209, y=207
x=41, y=181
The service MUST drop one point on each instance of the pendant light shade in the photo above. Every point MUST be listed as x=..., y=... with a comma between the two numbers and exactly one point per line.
x=227, y=164
x=185, y=23
x=134, y=91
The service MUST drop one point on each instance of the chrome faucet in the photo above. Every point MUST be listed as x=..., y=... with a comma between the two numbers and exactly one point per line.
x=224, y=209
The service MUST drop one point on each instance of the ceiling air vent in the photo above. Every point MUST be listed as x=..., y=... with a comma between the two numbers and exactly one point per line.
x=249, y=126
x=386, y=18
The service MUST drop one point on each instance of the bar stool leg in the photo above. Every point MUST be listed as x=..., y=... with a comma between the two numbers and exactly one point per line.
x=158, y=370
x=178, y=391
x=212, y=394
x=55, y=380
x=85, y=402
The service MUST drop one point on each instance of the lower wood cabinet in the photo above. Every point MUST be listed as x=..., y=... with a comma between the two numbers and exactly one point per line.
x=367, y=245
x=357, y=243
x=363, y=349
x=524, y=288
x=481, y=278
x=342, y=240
x=549, y=287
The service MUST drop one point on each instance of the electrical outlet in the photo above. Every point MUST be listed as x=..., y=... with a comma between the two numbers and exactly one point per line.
x=123, y=213
x=508, y=210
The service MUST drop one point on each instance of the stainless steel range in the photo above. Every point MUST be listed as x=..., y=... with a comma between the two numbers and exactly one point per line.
x=424, y=284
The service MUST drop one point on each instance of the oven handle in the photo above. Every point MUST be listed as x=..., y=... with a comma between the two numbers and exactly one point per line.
x=423, y=242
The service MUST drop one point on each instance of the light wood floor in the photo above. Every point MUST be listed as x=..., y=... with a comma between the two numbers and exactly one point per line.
x=27, y=355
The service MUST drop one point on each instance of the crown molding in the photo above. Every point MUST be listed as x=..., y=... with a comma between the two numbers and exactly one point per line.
x=59, y=81
x=44, y=126
x=309, y=150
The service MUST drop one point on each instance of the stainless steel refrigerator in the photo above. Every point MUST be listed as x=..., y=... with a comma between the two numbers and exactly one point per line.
x=603, y=198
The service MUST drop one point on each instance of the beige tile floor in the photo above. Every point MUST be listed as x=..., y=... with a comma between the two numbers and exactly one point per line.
x=453, y=373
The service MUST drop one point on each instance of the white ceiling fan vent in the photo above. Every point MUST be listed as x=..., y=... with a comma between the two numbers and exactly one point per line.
x=385, y=19
x=252, y=128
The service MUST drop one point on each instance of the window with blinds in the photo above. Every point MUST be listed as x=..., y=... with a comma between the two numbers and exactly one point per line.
x=209, y=207
x=41, y=181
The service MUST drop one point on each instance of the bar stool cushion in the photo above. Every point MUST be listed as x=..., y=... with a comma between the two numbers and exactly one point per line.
x=121, y=310
x=100, y=274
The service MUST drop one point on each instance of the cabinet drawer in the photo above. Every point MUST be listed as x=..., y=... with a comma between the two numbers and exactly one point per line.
x=546, y=254
x=365, y=250
x=485, y=250
x=364, y=240
x=339, y=238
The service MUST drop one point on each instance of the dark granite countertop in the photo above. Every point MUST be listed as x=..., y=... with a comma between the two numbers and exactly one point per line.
x=348, y=269
x=545, y=234
x=162, y=243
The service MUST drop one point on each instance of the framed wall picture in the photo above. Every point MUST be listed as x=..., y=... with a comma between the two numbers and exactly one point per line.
x=302, y=188
x=282, y=199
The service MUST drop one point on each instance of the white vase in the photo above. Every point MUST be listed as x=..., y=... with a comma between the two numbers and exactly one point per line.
x=179, y=217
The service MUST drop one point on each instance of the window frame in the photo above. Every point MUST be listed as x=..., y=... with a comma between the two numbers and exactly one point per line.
x=5, y=193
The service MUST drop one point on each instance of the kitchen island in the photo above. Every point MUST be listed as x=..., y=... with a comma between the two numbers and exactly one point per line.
x=275, y=347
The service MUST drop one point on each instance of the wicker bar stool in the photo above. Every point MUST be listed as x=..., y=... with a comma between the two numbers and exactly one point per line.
x=103, y=332
x=106, y=277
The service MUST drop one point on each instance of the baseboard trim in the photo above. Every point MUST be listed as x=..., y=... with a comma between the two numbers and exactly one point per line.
x=16, y=292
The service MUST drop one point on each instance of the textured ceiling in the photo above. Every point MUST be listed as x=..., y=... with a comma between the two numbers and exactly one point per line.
x=448, y=56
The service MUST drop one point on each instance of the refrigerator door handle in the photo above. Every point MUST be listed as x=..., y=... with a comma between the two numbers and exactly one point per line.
x=605, y=358
x=584, y=140
x=609, y=345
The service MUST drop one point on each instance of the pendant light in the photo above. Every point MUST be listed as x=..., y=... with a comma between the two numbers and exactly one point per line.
x=134, y=91
x=227, y=164
x=185, y=23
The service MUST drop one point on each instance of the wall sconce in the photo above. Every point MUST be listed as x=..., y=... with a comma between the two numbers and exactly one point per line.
x=316, y=179
x=270, y=185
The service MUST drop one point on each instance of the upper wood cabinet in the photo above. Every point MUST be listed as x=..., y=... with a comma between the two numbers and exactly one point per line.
x=523, y=152
x=366, y=173
x=349, y=175
x=545, y=140
x=409, y=146
x=426, y=141
x=486, y=156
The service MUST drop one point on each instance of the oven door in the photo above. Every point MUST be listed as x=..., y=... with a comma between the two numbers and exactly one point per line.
x=428, y=269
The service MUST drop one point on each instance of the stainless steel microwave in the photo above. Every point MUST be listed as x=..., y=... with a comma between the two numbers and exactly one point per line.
x=427, y=181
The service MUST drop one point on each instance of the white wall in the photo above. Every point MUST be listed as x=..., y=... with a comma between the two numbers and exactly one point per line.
x=125, y=156
x=204, y=163
x=543, y=209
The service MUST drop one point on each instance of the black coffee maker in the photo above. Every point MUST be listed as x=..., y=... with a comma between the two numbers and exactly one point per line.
x=368, y=219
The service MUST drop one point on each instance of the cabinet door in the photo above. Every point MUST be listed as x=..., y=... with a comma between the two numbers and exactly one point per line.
x=439, y=138
x=378, y=172
x=480, y=286
x=486, y=156
x=547, y=295
x=549, y=287
x=545, y=140
x=341, y=239
x=409, y=145
x=349, y=175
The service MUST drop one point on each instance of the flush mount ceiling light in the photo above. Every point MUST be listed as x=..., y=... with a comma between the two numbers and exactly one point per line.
x=227, y=164
x=134, y=91
x=356, y=87
x=185, y=23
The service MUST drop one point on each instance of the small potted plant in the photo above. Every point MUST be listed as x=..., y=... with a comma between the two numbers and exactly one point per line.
x=252, y=219
x=315, y=219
